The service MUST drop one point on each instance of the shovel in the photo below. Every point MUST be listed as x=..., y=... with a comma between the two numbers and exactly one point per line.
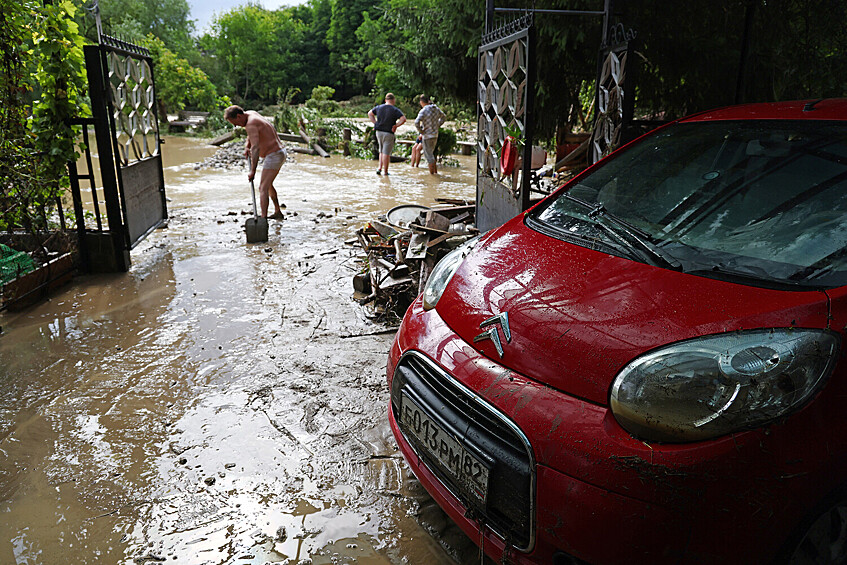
x=256, y=227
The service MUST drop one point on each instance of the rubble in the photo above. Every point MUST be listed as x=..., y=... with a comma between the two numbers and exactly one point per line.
x=228, y=156
x=399, y=258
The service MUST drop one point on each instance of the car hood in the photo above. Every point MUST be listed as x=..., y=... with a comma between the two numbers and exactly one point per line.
x=578, y=316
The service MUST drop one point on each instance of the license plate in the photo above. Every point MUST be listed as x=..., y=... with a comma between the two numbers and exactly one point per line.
x=469, y=473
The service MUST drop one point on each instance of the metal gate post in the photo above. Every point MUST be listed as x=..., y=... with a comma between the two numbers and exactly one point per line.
x=117, y=230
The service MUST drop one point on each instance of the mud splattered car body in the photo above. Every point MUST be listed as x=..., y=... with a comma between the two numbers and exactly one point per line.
x=648, y=366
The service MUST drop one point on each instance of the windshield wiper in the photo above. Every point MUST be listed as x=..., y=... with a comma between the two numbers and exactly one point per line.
x=742, y=277
x=627, y=234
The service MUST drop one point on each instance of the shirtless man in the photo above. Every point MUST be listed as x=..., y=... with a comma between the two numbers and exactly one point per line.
x=262, y=141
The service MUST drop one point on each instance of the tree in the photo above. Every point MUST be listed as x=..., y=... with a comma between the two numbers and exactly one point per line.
x=178, y=84
x=257, y=51
x=169, y=20
x=315, y=67
x=347, y=55
x=432, y=45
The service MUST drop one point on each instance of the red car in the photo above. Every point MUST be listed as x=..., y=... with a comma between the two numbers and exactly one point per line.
x=648, y=366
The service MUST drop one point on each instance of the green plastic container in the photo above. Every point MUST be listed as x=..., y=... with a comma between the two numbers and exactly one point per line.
x=13, y=264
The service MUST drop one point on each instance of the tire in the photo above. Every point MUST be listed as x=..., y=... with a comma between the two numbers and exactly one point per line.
x=824, y=540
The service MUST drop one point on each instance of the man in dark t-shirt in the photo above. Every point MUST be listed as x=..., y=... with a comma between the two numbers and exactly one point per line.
x=386, y=119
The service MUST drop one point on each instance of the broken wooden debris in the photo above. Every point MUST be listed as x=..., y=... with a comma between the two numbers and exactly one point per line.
x=221, y=139
x=320, y=150
x=436, y=221
x=398, y=263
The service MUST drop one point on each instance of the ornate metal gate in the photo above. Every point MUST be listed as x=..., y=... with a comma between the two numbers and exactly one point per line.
x=126, y=128
x=504, y=106
x=615, y=98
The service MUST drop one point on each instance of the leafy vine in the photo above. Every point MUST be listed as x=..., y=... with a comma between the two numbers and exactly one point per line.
x=40, y=90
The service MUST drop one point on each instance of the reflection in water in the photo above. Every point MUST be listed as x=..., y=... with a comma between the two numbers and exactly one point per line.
x=220, y=401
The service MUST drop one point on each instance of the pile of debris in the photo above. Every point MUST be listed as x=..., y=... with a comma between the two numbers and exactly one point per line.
x=229, y=156
x=402, y=248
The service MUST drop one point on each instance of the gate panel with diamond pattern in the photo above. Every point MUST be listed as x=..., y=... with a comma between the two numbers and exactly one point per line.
x=615, y=94
x=504, y=106
x=135, y=129
x=126, y=131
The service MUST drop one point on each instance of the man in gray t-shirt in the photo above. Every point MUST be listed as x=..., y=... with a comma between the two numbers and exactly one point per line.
x=386, y=119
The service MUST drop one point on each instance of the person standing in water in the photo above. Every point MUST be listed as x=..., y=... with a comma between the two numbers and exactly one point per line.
x=262, y=141
x=386, y=119
x=427, y=123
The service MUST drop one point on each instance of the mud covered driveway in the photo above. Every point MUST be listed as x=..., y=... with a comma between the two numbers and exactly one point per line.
x=220, y=403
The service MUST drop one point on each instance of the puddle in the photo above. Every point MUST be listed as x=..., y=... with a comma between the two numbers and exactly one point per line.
x=221, y=402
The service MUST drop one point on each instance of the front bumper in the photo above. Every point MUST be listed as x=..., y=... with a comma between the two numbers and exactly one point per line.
x=601, y=495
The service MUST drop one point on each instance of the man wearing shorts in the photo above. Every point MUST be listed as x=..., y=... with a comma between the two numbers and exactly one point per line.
x=428, y=121
x=262, y=141
x=386, y=119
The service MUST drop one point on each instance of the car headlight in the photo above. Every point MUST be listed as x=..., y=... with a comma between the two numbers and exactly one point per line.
x=443, y=272
x=716, y=385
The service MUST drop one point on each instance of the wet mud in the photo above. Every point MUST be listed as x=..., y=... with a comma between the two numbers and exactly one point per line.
x=221, y=402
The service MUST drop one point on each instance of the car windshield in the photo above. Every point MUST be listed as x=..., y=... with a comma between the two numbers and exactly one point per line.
x=763, y=201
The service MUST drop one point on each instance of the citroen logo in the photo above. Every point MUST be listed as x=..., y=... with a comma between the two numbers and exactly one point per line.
x=503, y=320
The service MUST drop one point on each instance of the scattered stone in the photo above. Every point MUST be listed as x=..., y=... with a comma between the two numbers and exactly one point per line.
x=229, y=156
x=229, y=465
x=149, y=557
x=281, y=534
x=183, y=460
x=209, y=480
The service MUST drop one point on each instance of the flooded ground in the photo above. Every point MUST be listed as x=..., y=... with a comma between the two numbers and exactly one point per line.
x=221, y=402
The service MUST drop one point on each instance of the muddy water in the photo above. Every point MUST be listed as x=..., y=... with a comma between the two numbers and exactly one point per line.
x=221, y=402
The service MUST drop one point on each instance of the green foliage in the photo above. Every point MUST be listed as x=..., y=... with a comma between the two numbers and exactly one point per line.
x=322, y=93
x=256, y=52
x=688, y=54
x=446, y=142
x=324, y=107
x=387, y=79
x=169, y=20
x=430, y=44
x=179, y=85
x=215, y=124
x=347, y=55
x=322, y=102
x=43, y=63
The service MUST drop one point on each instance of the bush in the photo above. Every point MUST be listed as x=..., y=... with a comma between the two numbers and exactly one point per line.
x=324, y=107
x=446, y=142
x=322, y=93
x=179, y=85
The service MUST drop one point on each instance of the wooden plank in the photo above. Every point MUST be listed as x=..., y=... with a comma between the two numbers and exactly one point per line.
x=221, y=139
x=453, y=201
x=437, y=221
x=460, y=218
x=303, y=150
x=290, y=137
x=439, y=240
x=452, y=211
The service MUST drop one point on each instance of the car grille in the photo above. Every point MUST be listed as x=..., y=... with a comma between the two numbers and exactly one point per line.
x=508, y=508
